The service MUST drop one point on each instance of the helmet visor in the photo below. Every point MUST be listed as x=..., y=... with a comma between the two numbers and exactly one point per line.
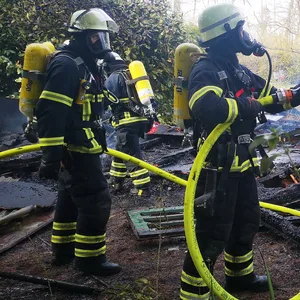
x=98, y=41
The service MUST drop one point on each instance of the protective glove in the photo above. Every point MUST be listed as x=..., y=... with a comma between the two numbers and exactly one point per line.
x=49, y=169
x=249, y=108
x=288, y=98
x=296, y=96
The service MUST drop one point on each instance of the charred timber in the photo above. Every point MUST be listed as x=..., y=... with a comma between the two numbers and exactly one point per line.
x=69, y=286
x=280, y=224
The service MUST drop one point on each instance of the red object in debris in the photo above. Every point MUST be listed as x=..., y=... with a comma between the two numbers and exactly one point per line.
x=154, y=128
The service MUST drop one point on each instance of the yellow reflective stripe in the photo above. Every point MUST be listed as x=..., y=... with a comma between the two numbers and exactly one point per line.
x=110, y=98
x=53, y=141
x=237, y=273
x=64, y=226
x=56, y=97
x=191, y=296
x=232, y=110
x=89, y=133
x=124, y=99
x=89, y=97
x=263, y=91
x=118, y=165
x=201, y=92
x=90, y=253
x=238, y=259
x=191, y=280
x=99, y=98
x=235, y=162
x=86, y=110
x=55, y=239
x=127, y=115
x=244, y=166
x=141, y=181
x=95, y=143
x=131, y=120
x=138, y=173
x=117, y=174
x=84, y=239
x=82, y=149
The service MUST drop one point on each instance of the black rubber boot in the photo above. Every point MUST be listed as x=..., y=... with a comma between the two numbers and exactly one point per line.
x=63, y=254
x=96, y=266
x=238, y=284
x=62, y=260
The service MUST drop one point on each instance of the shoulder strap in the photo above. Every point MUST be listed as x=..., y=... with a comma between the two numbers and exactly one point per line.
x=69, y=54
x=223, y=76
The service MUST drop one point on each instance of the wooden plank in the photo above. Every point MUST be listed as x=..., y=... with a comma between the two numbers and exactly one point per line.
x=15, y=232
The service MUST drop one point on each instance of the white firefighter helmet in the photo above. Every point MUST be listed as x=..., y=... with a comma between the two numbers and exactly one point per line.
x=92, y=19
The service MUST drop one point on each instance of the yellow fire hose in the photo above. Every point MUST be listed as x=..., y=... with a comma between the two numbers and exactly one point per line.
x=121, y=155
x=143, y=164
x=190, y=185
x=189, y=226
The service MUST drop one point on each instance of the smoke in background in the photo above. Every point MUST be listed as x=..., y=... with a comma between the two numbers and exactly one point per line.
x=11, y=119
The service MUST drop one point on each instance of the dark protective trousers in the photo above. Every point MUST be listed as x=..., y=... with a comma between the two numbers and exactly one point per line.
x=128, y=142
x=82, y=209
x=232, y=227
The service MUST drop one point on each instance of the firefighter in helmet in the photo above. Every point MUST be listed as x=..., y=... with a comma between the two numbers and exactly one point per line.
x=221, y=89
x=72, y=138
x=129, y=126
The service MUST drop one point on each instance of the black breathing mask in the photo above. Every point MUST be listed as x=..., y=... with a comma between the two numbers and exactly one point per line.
x=98, y=43
x=248, y=45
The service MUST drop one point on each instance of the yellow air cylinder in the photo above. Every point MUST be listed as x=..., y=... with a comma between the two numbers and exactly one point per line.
x=35, y=63
x=142, y=84
x=50, y=46
x=185, y=56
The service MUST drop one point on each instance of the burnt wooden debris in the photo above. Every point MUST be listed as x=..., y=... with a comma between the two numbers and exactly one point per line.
x=52, y=283
x=286, y=226
x=167, y=153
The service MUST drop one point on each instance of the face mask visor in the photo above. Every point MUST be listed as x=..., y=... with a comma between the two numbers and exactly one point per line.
x=248, y=44
x=98, y=43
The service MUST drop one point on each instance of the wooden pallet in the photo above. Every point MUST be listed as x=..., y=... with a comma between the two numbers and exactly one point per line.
x=151, y=223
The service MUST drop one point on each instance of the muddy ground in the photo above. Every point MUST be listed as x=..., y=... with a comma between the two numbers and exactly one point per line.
x=151, y=268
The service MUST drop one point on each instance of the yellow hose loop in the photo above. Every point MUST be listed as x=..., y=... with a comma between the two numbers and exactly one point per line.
x=121, y=155
x=19, y=150
x=188, y=200
x=143, y=164
x=297, y=297
x=279, y=208
x=188, y=214
x=147, y=166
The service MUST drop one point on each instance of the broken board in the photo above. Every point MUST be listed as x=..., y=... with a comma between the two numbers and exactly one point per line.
x=15, y=232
